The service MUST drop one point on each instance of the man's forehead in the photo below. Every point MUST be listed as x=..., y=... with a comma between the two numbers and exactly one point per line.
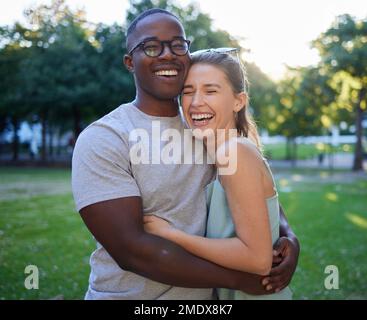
x=155, y=26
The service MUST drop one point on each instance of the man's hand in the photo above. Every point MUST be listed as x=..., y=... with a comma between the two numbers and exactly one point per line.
x=285, y=257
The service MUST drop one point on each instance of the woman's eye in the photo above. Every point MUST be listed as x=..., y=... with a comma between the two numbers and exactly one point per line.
x=187, y=92
x=211, y=91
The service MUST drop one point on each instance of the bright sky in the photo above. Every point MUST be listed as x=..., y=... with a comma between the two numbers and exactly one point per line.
x=277, y=32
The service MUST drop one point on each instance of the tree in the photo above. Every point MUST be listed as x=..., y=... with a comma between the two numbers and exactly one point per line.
x=198, y=25
x=263, y=96
x=304, y=97
x=115, y=82
x=60, y=81
x=343, y=50
x=79, y=65
x=12, y=105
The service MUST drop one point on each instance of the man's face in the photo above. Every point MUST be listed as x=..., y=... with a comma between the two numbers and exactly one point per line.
x=160, y=77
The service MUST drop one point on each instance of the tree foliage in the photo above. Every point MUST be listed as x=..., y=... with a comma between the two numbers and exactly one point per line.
x=343, y=51
x=64, y=72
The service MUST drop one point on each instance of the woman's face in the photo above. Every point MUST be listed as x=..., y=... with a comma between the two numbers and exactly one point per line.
x=208, y=100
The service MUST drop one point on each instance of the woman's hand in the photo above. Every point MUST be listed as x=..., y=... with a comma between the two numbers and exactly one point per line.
x=158, y=226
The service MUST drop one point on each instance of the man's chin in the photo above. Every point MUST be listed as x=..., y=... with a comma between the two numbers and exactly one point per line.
x=169, y=95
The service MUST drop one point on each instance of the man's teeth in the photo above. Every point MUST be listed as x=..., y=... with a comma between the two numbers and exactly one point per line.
x=201, y=116
x=167, y=73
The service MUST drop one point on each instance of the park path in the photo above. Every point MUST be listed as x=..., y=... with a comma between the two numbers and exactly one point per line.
x=288, y=178
x=336, y=161
x=29, y=189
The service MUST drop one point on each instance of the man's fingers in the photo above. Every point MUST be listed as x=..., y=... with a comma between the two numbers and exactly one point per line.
x=280, y=244
x=282, y=267
x=279, y=281
x=277, y=259
x=278, y=270
x=279, y=287
x=265, y=281
x=276, y=281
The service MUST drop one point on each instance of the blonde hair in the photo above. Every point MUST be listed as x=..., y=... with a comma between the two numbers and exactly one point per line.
x=237, y=78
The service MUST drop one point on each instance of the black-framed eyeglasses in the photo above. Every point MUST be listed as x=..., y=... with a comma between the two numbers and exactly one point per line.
x=154, y=48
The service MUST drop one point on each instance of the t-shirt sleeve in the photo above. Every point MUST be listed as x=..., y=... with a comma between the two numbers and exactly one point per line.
x=101, y=168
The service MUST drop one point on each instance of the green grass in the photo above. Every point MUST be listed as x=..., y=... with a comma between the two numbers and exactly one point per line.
x=42, y=230
x=39, y=226
x=305, y=151
x=329, y=216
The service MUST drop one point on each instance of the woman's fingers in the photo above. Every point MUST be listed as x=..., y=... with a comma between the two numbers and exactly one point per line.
x=149, y=218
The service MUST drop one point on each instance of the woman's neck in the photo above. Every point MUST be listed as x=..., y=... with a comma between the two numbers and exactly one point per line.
x=216, y=141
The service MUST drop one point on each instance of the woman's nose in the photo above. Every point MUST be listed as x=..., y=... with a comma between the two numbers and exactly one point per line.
x=197, y=100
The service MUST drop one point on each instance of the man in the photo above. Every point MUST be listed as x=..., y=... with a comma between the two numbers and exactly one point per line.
x=112, y=193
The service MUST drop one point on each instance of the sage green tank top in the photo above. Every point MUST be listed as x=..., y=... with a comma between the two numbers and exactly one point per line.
x=220, y=225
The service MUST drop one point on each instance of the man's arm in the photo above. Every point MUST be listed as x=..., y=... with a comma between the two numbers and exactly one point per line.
x=118, y=226
x=285, y=259
x=286, y=231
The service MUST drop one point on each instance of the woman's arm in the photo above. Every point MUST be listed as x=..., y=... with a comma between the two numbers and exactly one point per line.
x=251, y=250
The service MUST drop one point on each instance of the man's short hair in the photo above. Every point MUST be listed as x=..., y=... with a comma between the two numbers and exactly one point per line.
x=144, y=14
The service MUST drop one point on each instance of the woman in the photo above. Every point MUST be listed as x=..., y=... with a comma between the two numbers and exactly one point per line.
x=243, y=220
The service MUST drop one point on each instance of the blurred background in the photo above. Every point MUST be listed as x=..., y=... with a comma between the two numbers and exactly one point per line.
x=61, y=68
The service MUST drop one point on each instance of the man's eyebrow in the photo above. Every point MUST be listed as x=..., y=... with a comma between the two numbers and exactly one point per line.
x=188, y=86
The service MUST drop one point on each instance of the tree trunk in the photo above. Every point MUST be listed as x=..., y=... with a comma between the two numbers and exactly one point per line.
x=58, y=149
x=15, y=123
x=2, y=129
x=50, y=141
x=77, y=127
x=44, y=134
x=288, y=153
x=295, y=155
x=292, y=153
x=358, y=151
x=331, y=157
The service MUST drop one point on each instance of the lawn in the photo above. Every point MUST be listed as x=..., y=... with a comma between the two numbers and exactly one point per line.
x=305, y=151
x=329, y=215
x=39, y=226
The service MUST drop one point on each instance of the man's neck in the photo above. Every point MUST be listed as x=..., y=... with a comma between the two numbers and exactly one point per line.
x=158, y=108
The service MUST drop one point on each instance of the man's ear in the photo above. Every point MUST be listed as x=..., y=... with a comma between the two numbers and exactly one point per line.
x=241, y=101
x=128, y=62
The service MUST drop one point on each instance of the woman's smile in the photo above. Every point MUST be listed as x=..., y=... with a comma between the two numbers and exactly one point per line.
x=200, y=119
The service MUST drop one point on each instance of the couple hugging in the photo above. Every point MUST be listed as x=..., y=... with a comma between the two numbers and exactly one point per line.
x=175, y=229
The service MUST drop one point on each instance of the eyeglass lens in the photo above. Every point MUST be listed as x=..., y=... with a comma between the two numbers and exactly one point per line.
x=154, y=48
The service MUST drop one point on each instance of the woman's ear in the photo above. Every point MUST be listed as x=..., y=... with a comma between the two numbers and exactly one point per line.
x=241, y=101
x=128, y=62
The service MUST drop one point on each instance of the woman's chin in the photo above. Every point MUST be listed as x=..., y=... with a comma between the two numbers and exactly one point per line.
x=203, y=133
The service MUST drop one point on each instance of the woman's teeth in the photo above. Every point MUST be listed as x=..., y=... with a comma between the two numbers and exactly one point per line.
x=202, y=116
x=166, y=73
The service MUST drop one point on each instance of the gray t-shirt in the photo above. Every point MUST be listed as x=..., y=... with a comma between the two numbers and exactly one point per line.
x=102, y=170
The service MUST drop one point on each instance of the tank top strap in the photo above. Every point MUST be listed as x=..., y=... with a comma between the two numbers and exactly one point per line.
x=271, y=174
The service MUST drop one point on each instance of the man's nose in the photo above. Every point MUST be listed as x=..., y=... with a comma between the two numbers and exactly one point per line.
x=166, y=53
